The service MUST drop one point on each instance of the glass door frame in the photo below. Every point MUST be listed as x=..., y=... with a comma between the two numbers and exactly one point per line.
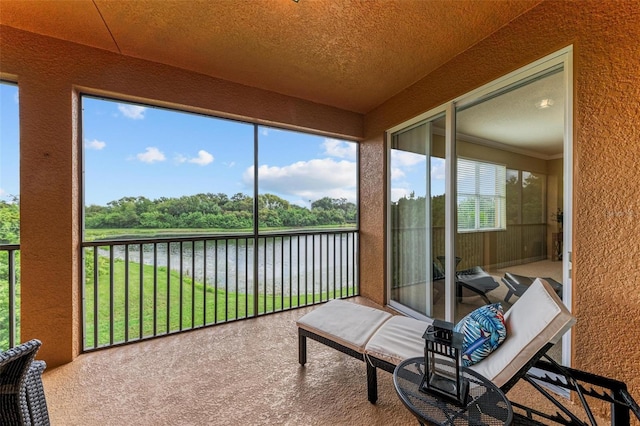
x=425, y=118
x=564, y=58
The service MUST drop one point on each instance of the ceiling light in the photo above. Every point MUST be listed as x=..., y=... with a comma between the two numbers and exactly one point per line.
x=544, y=103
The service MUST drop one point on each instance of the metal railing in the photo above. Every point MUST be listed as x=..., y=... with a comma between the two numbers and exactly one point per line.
x=144, y=288
x=9, y=295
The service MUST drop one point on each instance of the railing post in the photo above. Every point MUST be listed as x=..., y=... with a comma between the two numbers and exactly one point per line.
x=12, y=298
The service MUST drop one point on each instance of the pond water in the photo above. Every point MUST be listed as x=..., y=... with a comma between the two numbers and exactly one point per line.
x=281, y=265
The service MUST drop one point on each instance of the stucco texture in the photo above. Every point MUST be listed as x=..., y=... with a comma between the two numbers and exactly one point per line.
x=606, y=193
x=606, y=279
x=51, y=74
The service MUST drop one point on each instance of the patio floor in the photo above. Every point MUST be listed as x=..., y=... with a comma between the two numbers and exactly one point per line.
x=245, y=372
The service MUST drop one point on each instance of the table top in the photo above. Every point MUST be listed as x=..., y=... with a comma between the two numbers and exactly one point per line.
x=486, y=405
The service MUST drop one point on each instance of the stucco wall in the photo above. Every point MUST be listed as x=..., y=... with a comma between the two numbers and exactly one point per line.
x=606, y=225
x=50, y=74
x=606, y=220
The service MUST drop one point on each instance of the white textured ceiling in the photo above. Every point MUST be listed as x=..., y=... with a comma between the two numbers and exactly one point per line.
x=515, y=118
x=350, y=54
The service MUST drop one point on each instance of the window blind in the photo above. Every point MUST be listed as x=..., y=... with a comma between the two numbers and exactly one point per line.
x=481, y=195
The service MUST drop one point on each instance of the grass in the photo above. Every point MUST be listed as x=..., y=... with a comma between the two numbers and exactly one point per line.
x=105, y=234
x=134, y=304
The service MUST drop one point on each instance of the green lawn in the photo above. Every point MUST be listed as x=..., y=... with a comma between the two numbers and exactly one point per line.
x=121, y=302
x=106, y=234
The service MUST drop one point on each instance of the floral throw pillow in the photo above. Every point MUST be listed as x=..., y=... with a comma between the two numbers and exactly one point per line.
x=483, y=330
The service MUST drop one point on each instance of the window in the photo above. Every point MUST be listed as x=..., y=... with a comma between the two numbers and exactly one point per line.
x=481, y=196
x=305, y=181
x=9, y=165
x=158, y=172
x=9, y=215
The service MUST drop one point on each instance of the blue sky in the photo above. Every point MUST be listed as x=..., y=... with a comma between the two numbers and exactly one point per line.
x=9, y=136
x=132, y=150
x=408, y=174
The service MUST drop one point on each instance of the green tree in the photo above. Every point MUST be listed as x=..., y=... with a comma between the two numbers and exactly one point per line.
x=533, y=203
x=10, y=222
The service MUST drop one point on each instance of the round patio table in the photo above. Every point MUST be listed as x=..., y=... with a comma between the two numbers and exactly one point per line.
x=486, y=404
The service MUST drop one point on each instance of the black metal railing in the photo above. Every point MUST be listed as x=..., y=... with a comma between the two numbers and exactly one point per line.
x=9, y=295
x=144, y=288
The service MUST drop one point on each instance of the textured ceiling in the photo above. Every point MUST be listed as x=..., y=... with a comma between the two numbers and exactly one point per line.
x=351, y=54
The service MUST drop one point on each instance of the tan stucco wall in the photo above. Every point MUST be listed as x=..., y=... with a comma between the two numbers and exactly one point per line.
x=606, y=223
x=606, y=193
x=50, y=73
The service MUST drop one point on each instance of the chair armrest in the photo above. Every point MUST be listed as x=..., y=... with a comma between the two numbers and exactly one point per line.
x=34, y=394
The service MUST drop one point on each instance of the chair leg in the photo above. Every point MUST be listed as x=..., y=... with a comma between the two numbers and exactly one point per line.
x=508, y=296
x=302, y=348
x=372, y=383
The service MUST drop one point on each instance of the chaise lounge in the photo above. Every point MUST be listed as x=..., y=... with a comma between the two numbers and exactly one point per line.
x=475, y=279
x=535, y=322
x=518, y=284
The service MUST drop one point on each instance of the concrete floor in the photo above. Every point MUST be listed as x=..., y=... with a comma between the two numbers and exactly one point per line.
x=242, y=373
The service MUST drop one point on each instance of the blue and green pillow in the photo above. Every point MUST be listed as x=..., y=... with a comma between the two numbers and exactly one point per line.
x=483, y=330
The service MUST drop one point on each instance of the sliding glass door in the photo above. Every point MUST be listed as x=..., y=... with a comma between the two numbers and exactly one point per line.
x=417, y=216
x=479, y=230
x=509, y=144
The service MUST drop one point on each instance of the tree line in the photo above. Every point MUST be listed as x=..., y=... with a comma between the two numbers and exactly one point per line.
x=525, y=204
x=217, y=211
x=196, y=211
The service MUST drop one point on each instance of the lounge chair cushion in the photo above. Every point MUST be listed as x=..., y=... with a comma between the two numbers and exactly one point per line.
x=346, y=323
x=483, y=330
x=398, y=339
x=537, y=318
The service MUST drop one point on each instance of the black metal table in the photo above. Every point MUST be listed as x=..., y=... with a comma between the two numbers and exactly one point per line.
x=486, y=405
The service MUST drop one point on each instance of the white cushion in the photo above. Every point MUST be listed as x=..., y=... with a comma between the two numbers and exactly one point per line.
x=537, y=318
x=346, y=323
x=398, y=339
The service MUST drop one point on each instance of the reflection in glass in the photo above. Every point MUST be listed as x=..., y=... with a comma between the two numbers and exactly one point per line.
x=508, y=180
x=417, y=217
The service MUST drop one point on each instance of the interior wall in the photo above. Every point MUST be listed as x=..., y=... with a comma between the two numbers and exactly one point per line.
x=606, y=151
x=50, y=73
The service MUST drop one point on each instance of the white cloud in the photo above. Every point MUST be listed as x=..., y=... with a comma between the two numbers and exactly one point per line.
x=437, y=169
x=2, y=192
x=16, y=97
x=397, y=173
x=134, y=112
x=231, y=164
x=95, y=144
x=405, y=158
x=202, y=159
x=340, y=149
x=151, y=155
x=397, y=193
x=309, y=180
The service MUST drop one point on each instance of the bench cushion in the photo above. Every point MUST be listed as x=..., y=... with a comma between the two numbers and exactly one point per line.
x=348, y=324
x=398, y=339
x=537, y=318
